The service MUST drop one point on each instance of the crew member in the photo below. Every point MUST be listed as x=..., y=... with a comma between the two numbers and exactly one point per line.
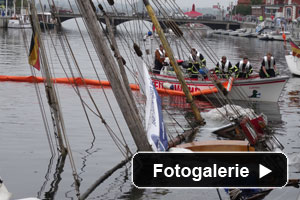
x=242, y=69
x=196, y=63
x=159, y=62
x=268, y=67
x=223, y=67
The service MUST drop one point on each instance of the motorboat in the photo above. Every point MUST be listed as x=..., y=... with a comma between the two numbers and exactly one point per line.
x=275, y=35
x=22, y=22
x=248, y=33
x=253, y=88
x=264, y=36
x=236, y=32
x=218, y=31
x=46, y=20
x=227, y=32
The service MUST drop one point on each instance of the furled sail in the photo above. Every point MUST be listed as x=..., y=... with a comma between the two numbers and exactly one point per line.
x=154, y=123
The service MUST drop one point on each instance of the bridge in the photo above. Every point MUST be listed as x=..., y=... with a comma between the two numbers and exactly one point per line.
x=119, y=19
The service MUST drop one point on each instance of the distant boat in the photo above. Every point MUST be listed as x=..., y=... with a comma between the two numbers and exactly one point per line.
x=275, y=35
x=236, y=32
x=19, y=20
x=248, y=33
x=46, y=20
x=22, y=22
x=264, y=36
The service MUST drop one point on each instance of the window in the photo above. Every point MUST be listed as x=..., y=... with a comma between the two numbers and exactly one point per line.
x=288, y=12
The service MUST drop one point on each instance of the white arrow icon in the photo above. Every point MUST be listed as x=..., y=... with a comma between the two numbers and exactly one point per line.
x=263, y=171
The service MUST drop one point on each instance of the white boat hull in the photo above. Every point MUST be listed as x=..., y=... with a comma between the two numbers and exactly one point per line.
x=16, y=24
x=293, y=63
x=252, y=89
x=264, y=37
x=244, y=34
x=234, y=33
x=278, y=37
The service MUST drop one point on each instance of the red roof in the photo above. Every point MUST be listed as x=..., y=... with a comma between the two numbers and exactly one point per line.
x=193, y=13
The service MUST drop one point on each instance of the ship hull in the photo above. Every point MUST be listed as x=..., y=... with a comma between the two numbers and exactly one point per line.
x=253, y=89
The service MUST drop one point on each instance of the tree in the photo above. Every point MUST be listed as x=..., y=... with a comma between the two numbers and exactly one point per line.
x=18, y=3
x=256, y=2
x=242, y=9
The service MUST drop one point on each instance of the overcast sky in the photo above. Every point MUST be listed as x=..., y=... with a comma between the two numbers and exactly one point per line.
x=204, y=3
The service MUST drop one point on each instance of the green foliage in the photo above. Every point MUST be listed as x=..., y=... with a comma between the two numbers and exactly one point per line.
x=18, y=3
x=256, y=2
x=242, y=9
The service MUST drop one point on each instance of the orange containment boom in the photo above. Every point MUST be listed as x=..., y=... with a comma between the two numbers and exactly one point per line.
x=80, y=81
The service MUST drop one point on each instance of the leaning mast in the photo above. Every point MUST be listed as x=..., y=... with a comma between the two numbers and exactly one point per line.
x=111, y=70
x=173, y=62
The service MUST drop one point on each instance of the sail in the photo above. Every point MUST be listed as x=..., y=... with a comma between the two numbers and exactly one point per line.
x=154, y=123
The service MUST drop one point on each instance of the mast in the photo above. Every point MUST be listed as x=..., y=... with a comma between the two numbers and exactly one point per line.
x=117, y=54
x=14, y=8
x=111, y=70
x=22, y=8
x=179, y=75
x=49, y=87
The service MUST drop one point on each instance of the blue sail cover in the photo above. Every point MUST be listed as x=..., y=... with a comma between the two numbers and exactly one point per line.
x=154, y=123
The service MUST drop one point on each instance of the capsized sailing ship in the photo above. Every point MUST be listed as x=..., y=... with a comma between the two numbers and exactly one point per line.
x=154, y=127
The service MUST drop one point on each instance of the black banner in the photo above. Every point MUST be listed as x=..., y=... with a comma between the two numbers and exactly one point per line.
x=247, y=170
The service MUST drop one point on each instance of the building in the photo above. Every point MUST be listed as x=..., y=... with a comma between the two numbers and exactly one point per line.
x=273, y=8
x=289, y=9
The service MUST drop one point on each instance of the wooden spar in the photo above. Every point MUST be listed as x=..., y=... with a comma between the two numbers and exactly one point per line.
x=103, y=178
x=182, y=137
x=49, y=87
x=119, y=57
x=173, y=62
x=110, y=68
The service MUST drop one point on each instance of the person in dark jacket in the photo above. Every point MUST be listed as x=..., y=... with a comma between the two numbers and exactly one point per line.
x=242, y=69
x=268, y=67
x=223, y=67
x=196, y=62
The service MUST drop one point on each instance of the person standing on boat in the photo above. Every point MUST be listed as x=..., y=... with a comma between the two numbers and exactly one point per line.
x=196, y=63
x=268, y=67
x=223, y=67
x=159, y=62
x=242, y=69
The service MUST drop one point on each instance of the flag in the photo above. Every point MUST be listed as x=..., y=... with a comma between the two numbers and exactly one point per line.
x=34, y=55
x=295, y=49
x=216, y=6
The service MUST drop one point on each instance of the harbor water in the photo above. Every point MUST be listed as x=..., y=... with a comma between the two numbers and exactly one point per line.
x=26, y=164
